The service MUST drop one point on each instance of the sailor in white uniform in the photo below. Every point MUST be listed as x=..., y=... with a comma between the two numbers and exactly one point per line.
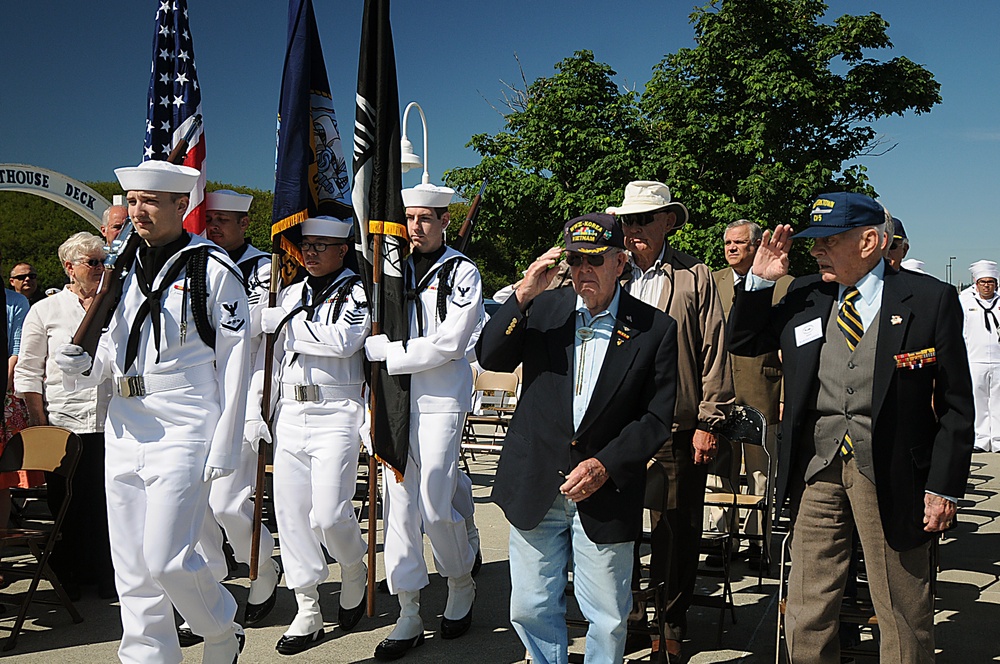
x=982, y=340
x=177, y=352
x=446, y=309
x=321, y=324
x=229, y=499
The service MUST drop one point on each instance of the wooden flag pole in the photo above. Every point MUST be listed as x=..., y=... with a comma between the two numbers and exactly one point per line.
x=265, y=407
x=376, y=309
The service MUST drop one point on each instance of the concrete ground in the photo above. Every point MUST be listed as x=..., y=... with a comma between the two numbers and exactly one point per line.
x=968, y=604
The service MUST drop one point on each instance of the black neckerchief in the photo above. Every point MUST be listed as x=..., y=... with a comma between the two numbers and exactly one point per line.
x=236, y=254
x=151, y=261
x=988, y=313
x=422, y=263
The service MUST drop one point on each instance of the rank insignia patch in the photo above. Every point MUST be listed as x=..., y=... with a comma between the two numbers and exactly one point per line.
x=232, y=320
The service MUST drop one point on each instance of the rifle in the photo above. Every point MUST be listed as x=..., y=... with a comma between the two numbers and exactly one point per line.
x=121, y=255
x=465, y=233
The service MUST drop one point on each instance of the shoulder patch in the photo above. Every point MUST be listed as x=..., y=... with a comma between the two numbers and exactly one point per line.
x=232, y=319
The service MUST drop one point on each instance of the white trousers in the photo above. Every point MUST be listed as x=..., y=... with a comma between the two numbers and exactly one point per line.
x=156, y=504
x=315, y=477
x=986, y=392
x=425, y=502
x=230, y=506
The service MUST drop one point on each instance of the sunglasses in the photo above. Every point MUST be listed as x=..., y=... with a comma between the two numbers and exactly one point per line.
x=90, y=262
x=22, y=277
x=638, y=218
x=319, y=247
x=576, y=260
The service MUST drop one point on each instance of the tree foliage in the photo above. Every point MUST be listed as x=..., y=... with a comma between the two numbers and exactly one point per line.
x=770, y=107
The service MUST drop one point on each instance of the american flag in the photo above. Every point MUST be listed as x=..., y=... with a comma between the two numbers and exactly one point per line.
x=175, y=101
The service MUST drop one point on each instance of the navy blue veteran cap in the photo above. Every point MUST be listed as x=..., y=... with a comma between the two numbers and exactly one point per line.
x=898, y=232
x=839, y=212
x=593, y=234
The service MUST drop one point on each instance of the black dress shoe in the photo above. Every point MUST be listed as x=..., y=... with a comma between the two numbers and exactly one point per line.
x=293, y=645
x=478, y=564
x=391, y=649
x=348, y=618
x=452, y=629
x=255, y=613
x=187, y=637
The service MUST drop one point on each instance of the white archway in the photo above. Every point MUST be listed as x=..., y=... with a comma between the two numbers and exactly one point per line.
x=57, y=187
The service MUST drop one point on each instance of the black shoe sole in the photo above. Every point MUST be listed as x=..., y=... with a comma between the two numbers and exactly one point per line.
x=391, y=649
x=293, y=645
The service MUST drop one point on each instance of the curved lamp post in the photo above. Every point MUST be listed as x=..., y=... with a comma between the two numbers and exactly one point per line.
x=408, y=159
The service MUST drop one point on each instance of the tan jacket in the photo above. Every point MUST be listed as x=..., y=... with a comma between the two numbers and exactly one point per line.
x=757, y=379
x=704, y=379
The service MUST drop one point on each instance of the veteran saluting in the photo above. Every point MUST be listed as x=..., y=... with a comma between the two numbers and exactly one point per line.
x=176, y=351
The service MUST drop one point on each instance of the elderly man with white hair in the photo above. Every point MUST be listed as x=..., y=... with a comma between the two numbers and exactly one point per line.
x=176, y=350
x=982, y=340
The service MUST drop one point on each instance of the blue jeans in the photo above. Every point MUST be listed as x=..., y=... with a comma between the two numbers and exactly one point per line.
x=539, y=562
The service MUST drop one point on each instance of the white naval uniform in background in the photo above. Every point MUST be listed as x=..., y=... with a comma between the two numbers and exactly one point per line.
x=984, y=361
x=229, y=497
x=440, y=396
x=157, y=448
x=317, y=443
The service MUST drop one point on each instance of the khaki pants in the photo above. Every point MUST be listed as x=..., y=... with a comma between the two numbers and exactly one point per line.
x=832, y=504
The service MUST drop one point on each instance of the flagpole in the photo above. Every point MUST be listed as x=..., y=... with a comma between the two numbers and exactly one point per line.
x=375, y=307
x=265, y=407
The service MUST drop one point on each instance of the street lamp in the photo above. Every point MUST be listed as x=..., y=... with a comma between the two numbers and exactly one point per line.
x=950, y=259
x=408, y=159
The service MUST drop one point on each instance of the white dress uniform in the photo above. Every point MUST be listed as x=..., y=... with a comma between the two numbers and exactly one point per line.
x=317, y=429
x=982, y=340
x=230, y=497
x=186, y=414
x=440, y=396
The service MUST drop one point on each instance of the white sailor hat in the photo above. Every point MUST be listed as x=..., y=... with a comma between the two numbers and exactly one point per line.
x=227, y=200
x=427, y=196
x=154, y=175
x=324, y=226
x=981, y=269
x=913, y=265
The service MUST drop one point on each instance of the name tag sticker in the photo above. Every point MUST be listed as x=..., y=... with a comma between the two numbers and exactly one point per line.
x=807, y=332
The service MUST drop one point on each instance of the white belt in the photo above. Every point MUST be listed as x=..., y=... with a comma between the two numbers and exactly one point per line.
x=140, y=386
x=320, y=392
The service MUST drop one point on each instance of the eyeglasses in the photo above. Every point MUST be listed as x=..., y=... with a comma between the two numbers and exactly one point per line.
x=319, y=247
x=90, y=262
x=638, y=219
x=22, y=277
x=576, y=260
x=987, y=282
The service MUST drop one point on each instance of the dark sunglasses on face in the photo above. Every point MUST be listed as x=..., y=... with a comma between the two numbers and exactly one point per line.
x=22, y=277
x=318, y=247
x=90, y=262
x=576, y=260
x=637, y=219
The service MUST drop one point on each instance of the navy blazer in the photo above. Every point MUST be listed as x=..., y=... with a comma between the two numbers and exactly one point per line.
x=922, y=418
x=629, y=416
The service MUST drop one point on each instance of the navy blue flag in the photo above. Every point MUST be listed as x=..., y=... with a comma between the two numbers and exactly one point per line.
x=378, y=209
x=174, y=102
x=311, y=174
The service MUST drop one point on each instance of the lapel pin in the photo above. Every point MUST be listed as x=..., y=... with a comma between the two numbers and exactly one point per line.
x=896, y=320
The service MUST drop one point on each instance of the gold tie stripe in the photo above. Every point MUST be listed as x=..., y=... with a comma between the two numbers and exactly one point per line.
x=847, y=446
x=849, y=320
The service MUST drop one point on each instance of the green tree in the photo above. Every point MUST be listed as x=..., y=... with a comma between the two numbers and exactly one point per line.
x=770, y=107
x=570, y=144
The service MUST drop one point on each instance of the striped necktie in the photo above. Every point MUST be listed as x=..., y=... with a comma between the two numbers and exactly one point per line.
x=849, y=320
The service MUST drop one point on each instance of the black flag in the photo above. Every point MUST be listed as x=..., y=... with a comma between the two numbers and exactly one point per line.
x=378, y=209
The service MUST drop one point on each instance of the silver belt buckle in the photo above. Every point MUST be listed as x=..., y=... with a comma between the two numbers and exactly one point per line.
x=307, y=393
x=131, y=386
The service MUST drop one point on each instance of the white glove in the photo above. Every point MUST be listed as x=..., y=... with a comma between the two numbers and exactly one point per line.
x=375, y=347
x=72, y=359
x=270, y=317
x=215, y=473
x=254, y=431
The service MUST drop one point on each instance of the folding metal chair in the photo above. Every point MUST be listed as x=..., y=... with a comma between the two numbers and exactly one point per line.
x=53, y=450
x=499, y=392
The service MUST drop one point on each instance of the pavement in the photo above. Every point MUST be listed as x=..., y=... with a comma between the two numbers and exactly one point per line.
x=967, y=606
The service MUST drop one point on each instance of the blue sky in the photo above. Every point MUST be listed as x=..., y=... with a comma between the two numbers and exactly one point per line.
x=74, y=77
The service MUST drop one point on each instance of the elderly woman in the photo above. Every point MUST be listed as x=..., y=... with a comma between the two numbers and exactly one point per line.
x=84, y=554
